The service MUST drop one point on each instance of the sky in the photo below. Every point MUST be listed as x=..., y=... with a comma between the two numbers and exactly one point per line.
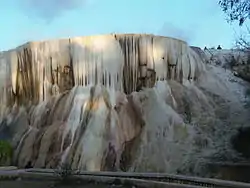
x=199, y=22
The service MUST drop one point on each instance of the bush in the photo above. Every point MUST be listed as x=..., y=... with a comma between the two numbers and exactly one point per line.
x=232, y=62
x=65, y=172
x=6, y=152
x=248, y=59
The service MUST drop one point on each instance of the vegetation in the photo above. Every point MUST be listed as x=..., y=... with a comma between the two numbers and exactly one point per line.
x=6, y=152
x=65, y=172
x=243, y=41
x=236, y=10
x=233, y=61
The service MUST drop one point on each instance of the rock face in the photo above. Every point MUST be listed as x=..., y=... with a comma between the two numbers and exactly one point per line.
x=227, y=58
x=115, y=102
x=37, y=70
x=237, y=60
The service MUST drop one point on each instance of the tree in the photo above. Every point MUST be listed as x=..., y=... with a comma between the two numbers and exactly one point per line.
x=243, y=41
x=236, y=10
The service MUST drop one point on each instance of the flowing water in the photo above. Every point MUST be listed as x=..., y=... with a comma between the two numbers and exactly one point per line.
x=119, y=102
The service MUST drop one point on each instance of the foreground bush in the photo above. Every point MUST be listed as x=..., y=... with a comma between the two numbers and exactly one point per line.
x=6, y=152
x=65, y=172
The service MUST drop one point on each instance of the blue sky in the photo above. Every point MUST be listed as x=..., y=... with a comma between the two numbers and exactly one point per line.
x=199, y=22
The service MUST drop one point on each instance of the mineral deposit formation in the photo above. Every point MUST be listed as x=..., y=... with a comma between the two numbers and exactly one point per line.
x=130, y=102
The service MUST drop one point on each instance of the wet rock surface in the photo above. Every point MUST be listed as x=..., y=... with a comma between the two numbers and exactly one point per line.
x=118, y=102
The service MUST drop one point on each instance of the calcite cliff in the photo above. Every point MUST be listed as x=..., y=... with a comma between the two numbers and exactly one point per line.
x=37, y=70
x=129, y=102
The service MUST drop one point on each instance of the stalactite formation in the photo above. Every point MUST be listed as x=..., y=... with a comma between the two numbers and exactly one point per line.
x=123, y=62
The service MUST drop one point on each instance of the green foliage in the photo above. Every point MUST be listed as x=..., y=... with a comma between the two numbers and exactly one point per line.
x=236, y=10
x=6, y=152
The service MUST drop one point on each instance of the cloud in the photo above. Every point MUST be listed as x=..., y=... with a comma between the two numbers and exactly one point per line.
x=49, y=9
x=171, y=30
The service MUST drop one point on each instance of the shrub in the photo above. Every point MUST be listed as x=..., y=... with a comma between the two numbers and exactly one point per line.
x=232, y=61
x=248, y=59
x=6, y=152
x=65, y=172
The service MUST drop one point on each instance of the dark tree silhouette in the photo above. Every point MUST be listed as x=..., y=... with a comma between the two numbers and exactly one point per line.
x=236, y=10
x=219, y=47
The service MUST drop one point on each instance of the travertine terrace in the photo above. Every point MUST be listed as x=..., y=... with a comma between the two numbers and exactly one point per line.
x=130, y=102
